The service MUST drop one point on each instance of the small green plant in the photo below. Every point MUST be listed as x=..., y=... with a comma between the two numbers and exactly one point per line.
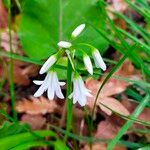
x=51, y=83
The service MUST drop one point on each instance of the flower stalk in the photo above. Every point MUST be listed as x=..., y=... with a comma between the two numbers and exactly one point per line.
x=11, y=66
x=69, y=100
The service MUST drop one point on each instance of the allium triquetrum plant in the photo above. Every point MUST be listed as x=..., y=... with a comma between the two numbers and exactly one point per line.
x=51, y=83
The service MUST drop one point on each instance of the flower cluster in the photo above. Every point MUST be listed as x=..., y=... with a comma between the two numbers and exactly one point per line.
x=51, y=83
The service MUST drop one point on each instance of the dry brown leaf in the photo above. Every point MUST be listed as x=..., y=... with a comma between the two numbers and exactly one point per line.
x=112, y=87
x=97, y=146
x=130, y=105
x=23, y=71
x=113, y=104
x=102, y=146
x=121, y=23
x=3, y=16
x=107, y=129
x=1, y=70
x=147, y=137
x=36, y=106
x=144, y=116
x=5, y=41
x=116, y=5
x=35, y=121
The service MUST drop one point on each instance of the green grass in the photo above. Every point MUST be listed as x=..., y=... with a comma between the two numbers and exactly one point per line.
x=125, y=127
x=11, y=66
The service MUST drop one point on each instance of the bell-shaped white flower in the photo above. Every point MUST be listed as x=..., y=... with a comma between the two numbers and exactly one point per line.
x=88, y=64
x=80, y=92
x=98, y=60
x=78, y=30
x=64, y=44
x=50, y=62
x=51, y=85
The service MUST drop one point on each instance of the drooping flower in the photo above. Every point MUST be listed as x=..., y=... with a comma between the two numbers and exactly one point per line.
x=98, y=60
x=64, y=44
x=49, y=63
x=78, y=30
x=88, y=64
x=80, y=92
x=51, y=85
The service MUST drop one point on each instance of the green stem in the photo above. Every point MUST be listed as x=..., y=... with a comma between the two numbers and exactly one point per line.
x=69, y=101
x=18, y=5
x=11, y=74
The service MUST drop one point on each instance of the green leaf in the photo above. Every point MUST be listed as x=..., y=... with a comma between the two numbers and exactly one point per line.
x=30, y=144
x=12, y=128
x=58, y=145
x=144, y=148
x=12, y=141
x=44, y=23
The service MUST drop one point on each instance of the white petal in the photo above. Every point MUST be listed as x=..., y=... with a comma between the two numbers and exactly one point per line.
x=50, y=93
x=62, y=83
x=82, y=101
x=79, y=94
x=43, y=87
x=88, y=64
x=75, y=100
x=39, y=92
x=51, y=60
x=57, y=86
x=78, y=30
x=64, y=44
x=99, y=60
x=37, y=82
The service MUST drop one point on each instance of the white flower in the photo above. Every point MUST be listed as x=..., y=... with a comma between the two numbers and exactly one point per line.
x=88, y=64
x=51, y=85
x=98, y=60
x=64, y=44
x=50, y=61
x=80, y=92
x=78, y=30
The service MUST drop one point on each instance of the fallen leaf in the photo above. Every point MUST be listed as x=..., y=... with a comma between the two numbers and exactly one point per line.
x=147, y=137
x=35, y=121
x=23, y=71
x=97, y=146
x=36, y=106
x=116, y=5
x=5, y=42
x=3, y=16
x=113, y=104
x=144, y=116
x=102, y=146
x=112, y=87
x=108, y=128
x=121, y=23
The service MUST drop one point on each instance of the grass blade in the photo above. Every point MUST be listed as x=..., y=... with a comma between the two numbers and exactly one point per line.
x=135, y=114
